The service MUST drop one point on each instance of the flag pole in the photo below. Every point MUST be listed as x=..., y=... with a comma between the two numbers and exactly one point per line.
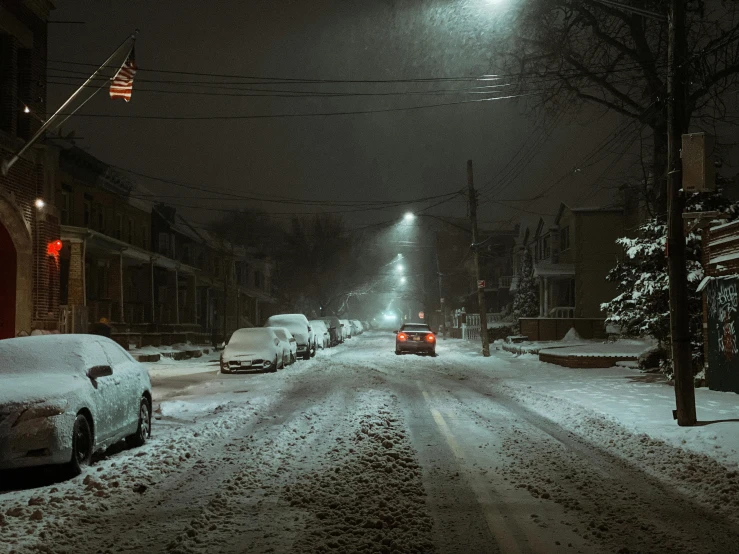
x=7, y=164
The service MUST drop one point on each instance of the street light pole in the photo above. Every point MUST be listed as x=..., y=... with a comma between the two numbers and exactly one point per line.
x=480, y=289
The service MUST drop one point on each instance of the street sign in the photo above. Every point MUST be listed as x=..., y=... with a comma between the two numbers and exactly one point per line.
x=420, y=315
x=442, y=300
x=481, y=284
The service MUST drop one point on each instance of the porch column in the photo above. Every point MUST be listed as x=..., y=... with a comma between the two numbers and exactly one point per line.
x=153, y=298
x=177, y=295
x=115, y=288
x=192, y=295
x=541, y=296
x=120, y=264
x=546, y=296
x=76, y=283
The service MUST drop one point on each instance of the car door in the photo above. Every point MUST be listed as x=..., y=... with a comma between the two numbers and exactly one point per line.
x=127, y=380
x=105, y=391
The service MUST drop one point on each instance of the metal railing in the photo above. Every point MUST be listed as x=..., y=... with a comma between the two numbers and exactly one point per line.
x=562, y=311
x=505, y=282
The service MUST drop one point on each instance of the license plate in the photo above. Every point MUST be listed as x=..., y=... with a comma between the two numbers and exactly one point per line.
x=418, y=339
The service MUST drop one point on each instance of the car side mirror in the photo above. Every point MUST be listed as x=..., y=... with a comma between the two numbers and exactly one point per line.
x=309, y=329
x=99, y=371
x=396, y=331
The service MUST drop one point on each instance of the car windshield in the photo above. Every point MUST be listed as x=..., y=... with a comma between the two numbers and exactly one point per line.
x=416, y=327
x=283, y=333
x=251, y=338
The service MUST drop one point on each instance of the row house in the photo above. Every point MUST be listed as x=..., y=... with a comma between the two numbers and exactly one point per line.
x=29, y=223
x=142, y=268
x=572, y=255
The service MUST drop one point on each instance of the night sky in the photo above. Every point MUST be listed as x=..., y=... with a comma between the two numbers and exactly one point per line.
x=385, y=156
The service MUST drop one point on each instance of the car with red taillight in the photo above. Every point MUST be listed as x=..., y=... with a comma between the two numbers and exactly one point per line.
x=415, y=337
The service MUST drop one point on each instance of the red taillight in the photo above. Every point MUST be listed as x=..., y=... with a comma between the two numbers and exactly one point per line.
x=402, y=336
x=430, y=337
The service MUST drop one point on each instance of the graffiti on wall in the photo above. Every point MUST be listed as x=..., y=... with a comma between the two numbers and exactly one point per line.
x=722, y=309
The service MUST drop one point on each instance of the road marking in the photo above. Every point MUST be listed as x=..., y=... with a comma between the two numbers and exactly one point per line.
x=502, y=534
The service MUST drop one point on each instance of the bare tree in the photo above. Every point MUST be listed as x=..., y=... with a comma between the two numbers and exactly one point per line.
x=570, y=52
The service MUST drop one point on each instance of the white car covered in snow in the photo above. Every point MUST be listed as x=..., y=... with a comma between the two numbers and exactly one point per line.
x=253, y=348
x=346, y=327
x=298, y=325
x=289, y=343
x=65, y=397
x=320, y=331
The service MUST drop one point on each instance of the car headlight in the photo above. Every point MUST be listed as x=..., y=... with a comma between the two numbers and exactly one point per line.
x=267, y=363
x=47, y=409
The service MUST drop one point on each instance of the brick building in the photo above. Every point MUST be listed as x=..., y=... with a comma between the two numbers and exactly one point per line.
x=29, y=268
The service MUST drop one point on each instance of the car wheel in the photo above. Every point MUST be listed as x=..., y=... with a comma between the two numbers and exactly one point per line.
x=143, y=431
x=306, y=356
x=398, y=352
x=274, y=366
x=82, y=445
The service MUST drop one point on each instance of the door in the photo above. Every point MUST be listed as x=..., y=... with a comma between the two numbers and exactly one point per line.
x=128, y=382
x=8, y=272
x=110, y=410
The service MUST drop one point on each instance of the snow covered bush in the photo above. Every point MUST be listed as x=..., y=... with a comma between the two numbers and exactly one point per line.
x=642, y=305
x=526, y=301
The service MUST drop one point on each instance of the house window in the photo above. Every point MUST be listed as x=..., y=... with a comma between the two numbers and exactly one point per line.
x=258, y=279
x=564, y=238
x=66, y=205
x=7, y=92
x=100, y=217
x=119, y=226
x=145, y=237
x=164, y=243
x=87, y=211
x=546, y=248
x=130, y=231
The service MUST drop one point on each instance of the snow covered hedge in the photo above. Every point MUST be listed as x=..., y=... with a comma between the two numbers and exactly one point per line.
x=642, y=305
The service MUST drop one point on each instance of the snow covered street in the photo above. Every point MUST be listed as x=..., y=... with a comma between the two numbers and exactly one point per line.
x=360, y=450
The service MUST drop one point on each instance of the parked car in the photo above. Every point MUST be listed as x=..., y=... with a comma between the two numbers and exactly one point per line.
x=289, y=343
x=65, y=397
x=356, y=327
x=334, y=328
x=253, y=348
x=320, y=331
x=347, y=328
x=298, y=325
x=415, y=337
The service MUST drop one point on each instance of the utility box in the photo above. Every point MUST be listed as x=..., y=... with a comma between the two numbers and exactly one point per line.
x=699, y=173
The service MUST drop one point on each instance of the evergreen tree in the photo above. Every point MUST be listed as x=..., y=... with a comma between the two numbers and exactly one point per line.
x=642, y=307
x=526, y=301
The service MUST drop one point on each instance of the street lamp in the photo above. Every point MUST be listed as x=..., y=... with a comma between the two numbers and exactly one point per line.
x=408, y=217
x=403, y=280
x=400, y=267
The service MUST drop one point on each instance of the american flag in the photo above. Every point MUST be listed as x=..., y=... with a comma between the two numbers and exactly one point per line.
x=122, y=84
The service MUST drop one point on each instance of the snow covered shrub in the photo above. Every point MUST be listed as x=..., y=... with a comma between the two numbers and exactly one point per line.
x=642, y=307
x=526, y=301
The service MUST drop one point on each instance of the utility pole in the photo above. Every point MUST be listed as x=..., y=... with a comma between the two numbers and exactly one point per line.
x=480, y=289
x=442, y=300
x=677, y=124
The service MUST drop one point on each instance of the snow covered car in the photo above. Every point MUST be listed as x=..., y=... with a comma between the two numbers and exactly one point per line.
x=334, y=329
x=298, y=325
x=65, y=397
x=320, y=331
x=415, y=337
x=356, y=327
x=253, y=348
x=347, y=328
x=289, y=344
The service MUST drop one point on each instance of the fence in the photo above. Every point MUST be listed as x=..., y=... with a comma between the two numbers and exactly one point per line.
x=73, y=319
x=552, y=328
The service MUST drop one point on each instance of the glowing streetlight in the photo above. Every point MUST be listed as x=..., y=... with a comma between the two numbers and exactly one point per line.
x=39, y=203
x=403, y=280
x=400, y=267
x=408, y=217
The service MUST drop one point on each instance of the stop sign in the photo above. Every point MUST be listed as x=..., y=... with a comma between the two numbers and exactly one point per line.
x=420, y=315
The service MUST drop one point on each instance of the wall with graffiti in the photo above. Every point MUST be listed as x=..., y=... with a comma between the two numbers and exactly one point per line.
x=722, y=303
